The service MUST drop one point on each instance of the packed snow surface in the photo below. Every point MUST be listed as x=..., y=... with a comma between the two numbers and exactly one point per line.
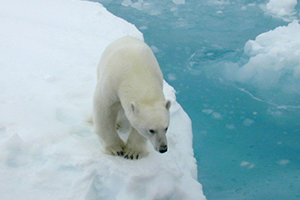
x=49, y=52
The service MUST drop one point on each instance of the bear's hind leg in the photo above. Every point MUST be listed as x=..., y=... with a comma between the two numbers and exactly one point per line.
x=136, y=146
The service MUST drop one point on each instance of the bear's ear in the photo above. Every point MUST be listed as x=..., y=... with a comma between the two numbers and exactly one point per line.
x=133, y=107
x=168, y=104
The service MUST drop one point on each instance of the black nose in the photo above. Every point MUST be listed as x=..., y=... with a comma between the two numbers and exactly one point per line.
x=163, y=149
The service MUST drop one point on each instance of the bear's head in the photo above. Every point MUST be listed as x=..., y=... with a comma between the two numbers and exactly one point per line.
x=151, y=120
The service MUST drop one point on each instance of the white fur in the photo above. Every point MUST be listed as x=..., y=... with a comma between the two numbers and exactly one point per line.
x=129, y=95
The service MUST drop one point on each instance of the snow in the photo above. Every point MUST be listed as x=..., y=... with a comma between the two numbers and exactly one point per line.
x=49, y=53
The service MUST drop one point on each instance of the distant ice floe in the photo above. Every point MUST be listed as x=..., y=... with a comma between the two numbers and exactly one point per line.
x=248, y=122
x=152, y=7
x=219, y=2
x=284, y=9
x=230, y=126
x=217, y=115
x=283, y=162
x=247, y=165
x=178, y=2
x=145, y=6
x=274, y=60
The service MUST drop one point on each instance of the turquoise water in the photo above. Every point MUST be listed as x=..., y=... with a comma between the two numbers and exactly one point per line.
x=245, y=147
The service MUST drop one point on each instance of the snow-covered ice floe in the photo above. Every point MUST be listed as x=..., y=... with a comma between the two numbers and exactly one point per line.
x=274, y=60
x=49, y=51
x=281, y=9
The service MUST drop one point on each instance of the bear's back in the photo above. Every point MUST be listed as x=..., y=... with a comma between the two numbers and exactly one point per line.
x=128, y=66
x=127, y=56
x=128, y=49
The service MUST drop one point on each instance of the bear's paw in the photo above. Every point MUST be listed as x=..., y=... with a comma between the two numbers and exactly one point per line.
x=116, y=149
x=134, y=154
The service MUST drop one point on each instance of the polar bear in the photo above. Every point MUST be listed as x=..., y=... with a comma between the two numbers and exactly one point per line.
x=129, y=93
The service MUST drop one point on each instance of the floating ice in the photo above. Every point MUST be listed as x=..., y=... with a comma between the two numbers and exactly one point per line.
x=248, y=165
x=244, y=163
x=274, y=60
x=248, y=122
x=207, y=111
x=172, y=77
x=154, y=49
x=126, y=2
x=179, y=2
x=217, y=115
x=230, y=126
x=153, y=7
x=281, y=8
x=283, y=162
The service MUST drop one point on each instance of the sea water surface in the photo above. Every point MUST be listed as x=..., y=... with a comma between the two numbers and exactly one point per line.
x=245, y=145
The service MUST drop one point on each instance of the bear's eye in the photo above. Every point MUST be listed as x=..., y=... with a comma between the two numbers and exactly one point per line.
x=166, y=129
x=152, y=131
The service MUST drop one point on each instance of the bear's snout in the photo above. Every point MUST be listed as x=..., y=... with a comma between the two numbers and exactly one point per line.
x=163, y=149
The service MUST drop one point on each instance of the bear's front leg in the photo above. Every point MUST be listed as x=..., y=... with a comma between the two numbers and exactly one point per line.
x=113, y=145
x=104, y=126
x=136, y=147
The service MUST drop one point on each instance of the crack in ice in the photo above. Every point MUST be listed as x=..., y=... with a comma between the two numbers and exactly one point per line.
x=284, y=107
